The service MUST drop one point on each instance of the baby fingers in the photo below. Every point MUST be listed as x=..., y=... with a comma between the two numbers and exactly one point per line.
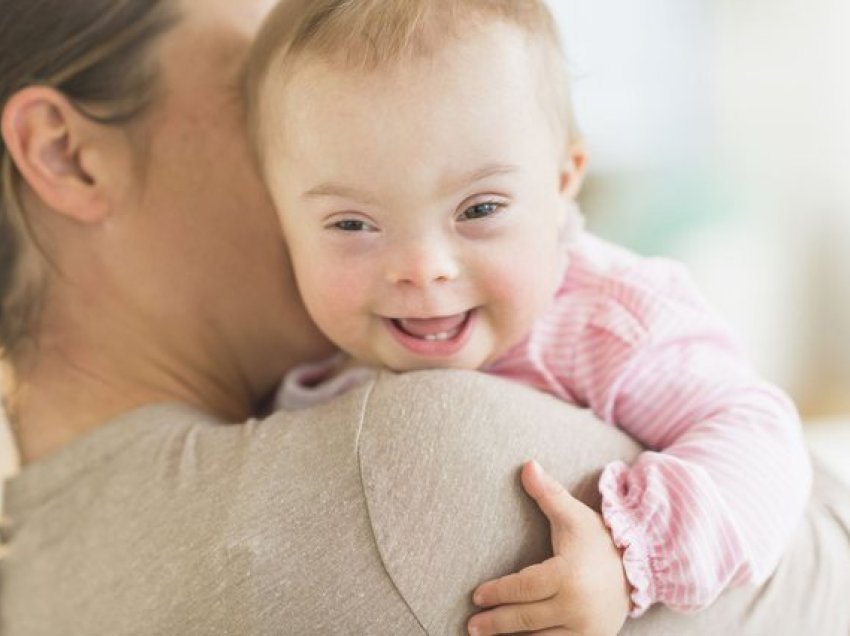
x=511, y=619
x=534, y=583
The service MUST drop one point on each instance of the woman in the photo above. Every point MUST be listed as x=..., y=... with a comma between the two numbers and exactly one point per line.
x=148, y=246
x=147, y=301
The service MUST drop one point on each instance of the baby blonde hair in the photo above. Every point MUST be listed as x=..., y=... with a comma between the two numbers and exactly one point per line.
x=368, y=35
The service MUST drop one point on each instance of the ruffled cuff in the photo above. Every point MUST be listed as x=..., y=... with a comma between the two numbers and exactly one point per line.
x=619, y=511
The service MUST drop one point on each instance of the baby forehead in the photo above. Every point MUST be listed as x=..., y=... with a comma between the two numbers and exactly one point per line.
x=486, y=69
x=470, y=105
x=424, y=69
x=408, y=112
x=407, y=42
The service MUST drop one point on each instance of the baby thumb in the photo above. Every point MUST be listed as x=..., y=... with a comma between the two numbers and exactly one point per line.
x=554, y=500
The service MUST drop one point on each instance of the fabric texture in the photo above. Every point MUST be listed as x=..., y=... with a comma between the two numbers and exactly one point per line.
x=376, y=513
x=632, y=339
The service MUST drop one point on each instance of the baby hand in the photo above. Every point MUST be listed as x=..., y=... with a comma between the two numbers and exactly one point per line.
x=581, y=590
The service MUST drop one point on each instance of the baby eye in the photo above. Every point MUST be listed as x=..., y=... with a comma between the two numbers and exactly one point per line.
x=481, y=210
x=353, y=225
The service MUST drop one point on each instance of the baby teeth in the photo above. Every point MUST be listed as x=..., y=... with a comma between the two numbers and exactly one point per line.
x=435, y=337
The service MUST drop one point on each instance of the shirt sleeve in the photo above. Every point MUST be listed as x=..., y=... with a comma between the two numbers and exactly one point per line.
x=715, y=499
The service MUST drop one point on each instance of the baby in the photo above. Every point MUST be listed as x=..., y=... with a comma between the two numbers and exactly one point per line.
x=424, y=161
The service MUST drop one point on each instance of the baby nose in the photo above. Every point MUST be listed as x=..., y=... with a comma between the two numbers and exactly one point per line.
x=422, y=266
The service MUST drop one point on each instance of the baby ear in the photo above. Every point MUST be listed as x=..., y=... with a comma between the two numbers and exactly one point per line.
x=57, y=150
x=571, y=178
x=573, y=169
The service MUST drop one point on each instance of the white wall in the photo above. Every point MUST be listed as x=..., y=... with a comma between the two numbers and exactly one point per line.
x=639, y=73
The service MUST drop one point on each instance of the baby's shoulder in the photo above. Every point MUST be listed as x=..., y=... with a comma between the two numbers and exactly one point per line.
x=610, y=288
x=599, y=266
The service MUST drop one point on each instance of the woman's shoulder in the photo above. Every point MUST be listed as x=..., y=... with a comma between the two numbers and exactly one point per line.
x=203, y=527
x=440, y=453
x=207, y=527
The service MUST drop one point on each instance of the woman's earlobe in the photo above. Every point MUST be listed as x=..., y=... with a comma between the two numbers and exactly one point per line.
x=48, y=138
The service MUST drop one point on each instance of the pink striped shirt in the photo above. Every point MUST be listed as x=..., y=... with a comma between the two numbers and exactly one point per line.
x=722, y=486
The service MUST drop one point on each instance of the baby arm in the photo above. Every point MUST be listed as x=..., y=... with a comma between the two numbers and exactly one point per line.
x=717, y=499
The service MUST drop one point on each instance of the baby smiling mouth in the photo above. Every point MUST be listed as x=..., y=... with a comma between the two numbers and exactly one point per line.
x=433, y=329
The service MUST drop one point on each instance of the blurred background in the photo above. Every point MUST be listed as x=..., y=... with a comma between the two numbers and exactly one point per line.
x=719, y=134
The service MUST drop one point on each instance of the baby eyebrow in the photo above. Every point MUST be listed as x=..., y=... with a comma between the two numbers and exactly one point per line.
x=337, y=190
x=490, y=170
x=330, y=189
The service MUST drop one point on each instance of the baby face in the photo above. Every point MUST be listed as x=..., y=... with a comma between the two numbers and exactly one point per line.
x=424, y=205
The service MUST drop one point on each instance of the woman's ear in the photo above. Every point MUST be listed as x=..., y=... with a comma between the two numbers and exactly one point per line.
x=573, y=170
x=57, y=151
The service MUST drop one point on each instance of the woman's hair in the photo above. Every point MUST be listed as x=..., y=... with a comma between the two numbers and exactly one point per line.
x=96, y=53
x=369, y=35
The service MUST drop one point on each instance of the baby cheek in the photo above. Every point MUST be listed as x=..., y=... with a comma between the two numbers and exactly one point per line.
x=335, y=298
x=524, y=286
x=513, y=292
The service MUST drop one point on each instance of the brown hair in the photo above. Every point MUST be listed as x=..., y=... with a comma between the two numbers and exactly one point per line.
x=371, y=34
x=96, y=53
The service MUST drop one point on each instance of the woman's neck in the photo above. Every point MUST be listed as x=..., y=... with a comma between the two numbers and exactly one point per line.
x=47, y=415
x=60, y=396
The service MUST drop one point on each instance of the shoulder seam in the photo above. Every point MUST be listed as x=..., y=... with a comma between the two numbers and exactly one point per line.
x=362, y=419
